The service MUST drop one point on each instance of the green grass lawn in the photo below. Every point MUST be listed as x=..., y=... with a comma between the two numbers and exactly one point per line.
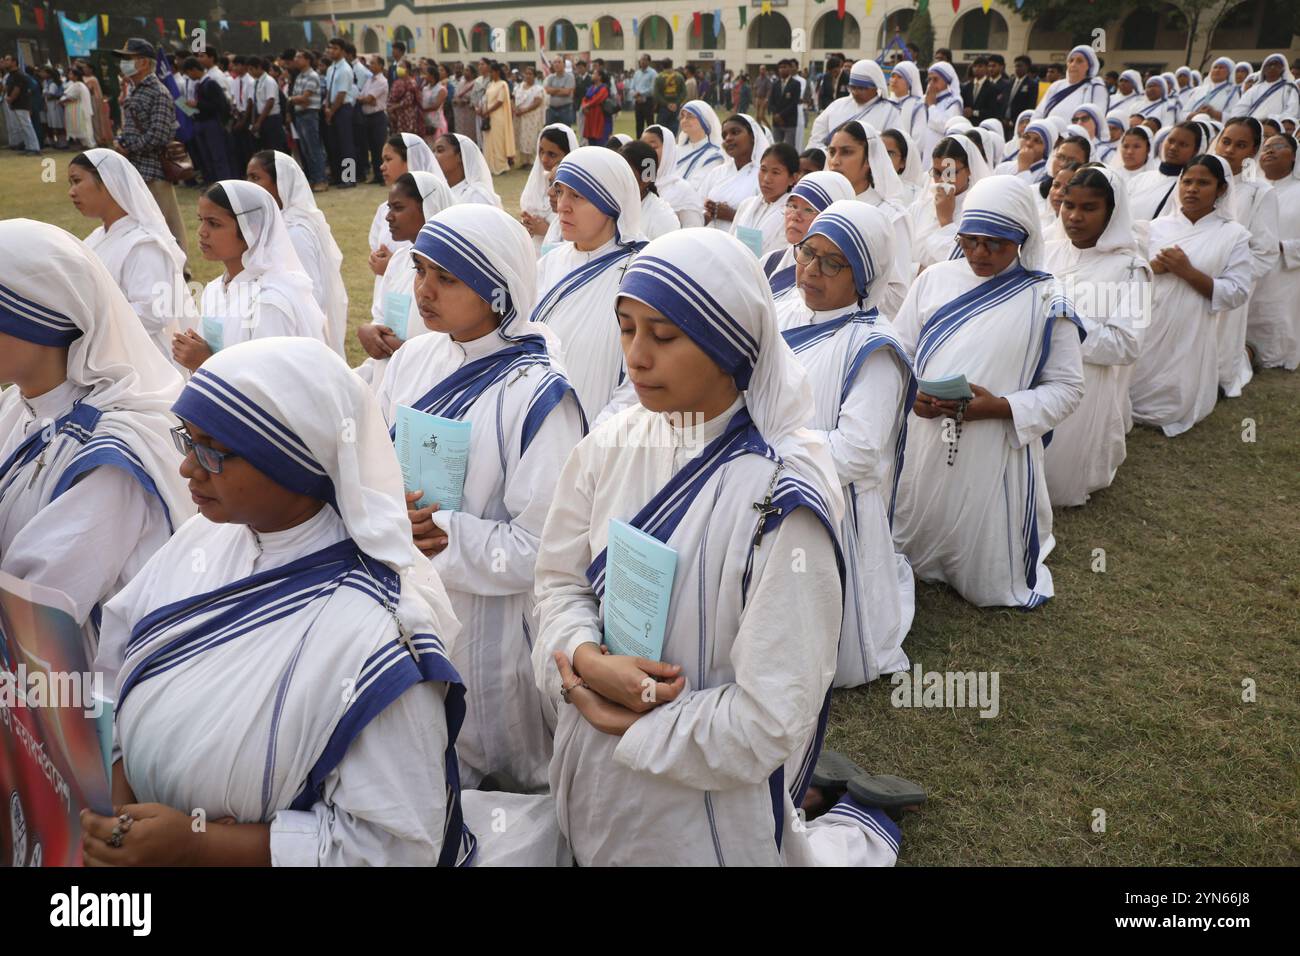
x=1123, y=694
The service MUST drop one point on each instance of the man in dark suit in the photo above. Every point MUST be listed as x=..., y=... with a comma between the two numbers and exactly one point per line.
x=1021, y=95
x=783, y=103
x=991, y=99
x=974, y=77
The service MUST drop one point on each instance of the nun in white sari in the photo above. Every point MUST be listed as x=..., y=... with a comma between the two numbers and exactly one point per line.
x=957, y=166
x=415, y=156
x=1080, y=85
x=863, y=390
x=946, y=106
x=228, y=667
x=699, y=777
x=578, y=280
x=972, y=508
x=270, y=295
x=525, y=420
x=867, y=103
x=810, y=195
x=1254, y=205
x=1214, y=96
x=673, y=187
x=729, y=184
x=138, y=249
x=1274, y=94
x=89, y=488
x=1201, y=259
x=396, y=313
x=475, y=178
x=909, y=95
x=1128, y=103
x=1109, y=284
x=699, y=148
x=312, y=239
x=1273, y=326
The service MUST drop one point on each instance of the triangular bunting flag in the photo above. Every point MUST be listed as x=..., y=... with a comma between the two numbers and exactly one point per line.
x=697, y=24
x=103, y=22
x=306, y=29
x=162, y=28
x=634, y=26
x=181, y=23
x=266, y=31
x=674, y=23
x=40, y=18
x=986, y=4
x=839, y=8
x=744, y=16
x=18, y=15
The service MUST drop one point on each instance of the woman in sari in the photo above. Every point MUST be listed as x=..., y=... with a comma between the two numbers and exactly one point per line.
x=597, y=125
x=78, y=111
x=404, y=104
x=498, y=122
x=228, y=670
x=530, y=102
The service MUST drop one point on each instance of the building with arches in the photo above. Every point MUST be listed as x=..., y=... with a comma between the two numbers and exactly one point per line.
x=619, y=31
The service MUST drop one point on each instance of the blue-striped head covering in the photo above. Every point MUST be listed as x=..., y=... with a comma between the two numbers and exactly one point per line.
x=866, y=73
x=1223, y=61
x=1134, y=77
x=27, y=319
x=1044, y=132
x=1159, y=81
x=603, y=177
x=1184, y=71
x=945, y=71
x=866, y=238
x=707, y=118
x=1088, y=54
x=294, y=410
x=822, y=188
x=1281, y=59
x=1005, y=207
x=711, y=286
x=489, y=251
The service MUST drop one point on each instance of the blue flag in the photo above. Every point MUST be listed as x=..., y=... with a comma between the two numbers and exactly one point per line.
x=79, y=38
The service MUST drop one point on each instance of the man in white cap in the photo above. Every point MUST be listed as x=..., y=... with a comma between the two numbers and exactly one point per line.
x=866, y=103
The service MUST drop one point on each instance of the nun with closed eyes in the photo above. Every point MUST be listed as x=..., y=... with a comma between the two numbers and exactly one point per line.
x=715, y=462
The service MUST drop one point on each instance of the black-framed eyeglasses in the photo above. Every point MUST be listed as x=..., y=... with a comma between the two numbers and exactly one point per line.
x=826, y=265
x=210, y=460
x=992, y=247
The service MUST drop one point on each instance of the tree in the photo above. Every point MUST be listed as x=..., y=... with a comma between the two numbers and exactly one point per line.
x=921, y=32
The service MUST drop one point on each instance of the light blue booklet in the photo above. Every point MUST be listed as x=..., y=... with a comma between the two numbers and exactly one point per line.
x=953, y=388
x=638, y=586
x=752, y=238
x=214, y=332
x=397, y=313
x=433, y=453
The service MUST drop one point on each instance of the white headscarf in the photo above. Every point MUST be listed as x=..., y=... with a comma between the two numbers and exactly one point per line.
x=419, y=157
x=884, y=177
x=55, y=291
x=298, y=205
x=945, y=71
x=823, y=187
x=1116, y=161
x=476, y=167
x=761, y=140
x=603, y=177
x=1088, y=54
x=1225, y=205
x=956, y=124
x=533, y=200
x=866, y=73
x=128, y=189
x=913, y=76
x=1118, y=234
x=1098, y=120
x=865, y=236
x=435, y=194
x=270, y=257
x=711, y=287
x=992, y=143
x=278, y=403
x=994, y=126
x=1007, y=208
x=707, y=117
x=1134, y=77
x=669, y=181
x=489, y=251
x=621, y=138
x=913, y=171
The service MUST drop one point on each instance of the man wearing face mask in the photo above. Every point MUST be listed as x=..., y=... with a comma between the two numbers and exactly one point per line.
x=148, y=125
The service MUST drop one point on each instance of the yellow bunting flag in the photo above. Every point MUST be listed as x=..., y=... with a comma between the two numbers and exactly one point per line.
x=266, y=31
x=674, y=23
x=595, y=34
x=870, y=4
x=986, y=4
x=18, y=15
x=767, y=7
x=523, y=37
x=103, y=21
x=444, y=39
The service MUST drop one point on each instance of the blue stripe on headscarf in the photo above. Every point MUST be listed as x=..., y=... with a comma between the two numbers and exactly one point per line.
x=699, y=117
x=678, y=297
x=27, y=320
x=457, y=255
x=817, y=197
x=982, y=222
x=253, y=433
x=587, y=186
x=841, y=230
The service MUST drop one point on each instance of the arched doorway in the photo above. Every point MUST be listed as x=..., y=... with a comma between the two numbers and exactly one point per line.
x=655, y=34
x=977, y=30
x=832, y=33
x=607, y=34
x=769, y=31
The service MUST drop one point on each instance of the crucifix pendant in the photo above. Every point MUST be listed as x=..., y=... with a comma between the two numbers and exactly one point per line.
x=764, y=509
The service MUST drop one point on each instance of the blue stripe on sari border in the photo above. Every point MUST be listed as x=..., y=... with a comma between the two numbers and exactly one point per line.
x=114, y=453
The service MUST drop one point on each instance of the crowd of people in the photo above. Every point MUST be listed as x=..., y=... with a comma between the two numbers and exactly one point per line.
x=818, y=369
